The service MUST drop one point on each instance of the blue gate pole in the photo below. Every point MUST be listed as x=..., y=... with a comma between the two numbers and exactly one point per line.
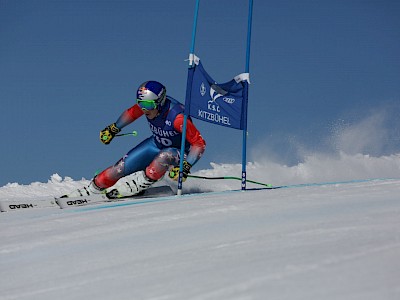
x=244, y=144
x=183, y=142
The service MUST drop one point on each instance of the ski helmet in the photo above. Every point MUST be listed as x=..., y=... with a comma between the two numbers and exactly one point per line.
x=152, y=91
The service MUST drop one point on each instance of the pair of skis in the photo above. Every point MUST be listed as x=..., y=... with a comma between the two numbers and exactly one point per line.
x=25, y=204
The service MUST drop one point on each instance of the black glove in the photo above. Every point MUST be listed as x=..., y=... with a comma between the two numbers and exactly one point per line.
x=108, y=133
x=174, y=173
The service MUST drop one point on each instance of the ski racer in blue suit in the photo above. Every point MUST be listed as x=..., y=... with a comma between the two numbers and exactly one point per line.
x=151, y=159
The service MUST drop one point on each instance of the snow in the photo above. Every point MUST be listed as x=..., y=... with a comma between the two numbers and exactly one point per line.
x=338, y=239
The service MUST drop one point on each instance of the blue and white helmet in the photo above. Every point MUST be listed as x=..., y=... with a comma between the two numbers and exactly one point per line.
x=152, y=90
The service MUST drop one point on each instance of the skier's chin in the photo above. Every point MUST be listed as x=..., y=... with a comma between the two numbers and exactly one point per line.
x=151, y=114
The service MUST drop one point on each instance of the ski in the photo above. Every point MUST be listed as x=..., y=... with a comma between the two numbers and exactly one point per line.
x=152, y=192
x=79, y=201
x=26, y=204
x=9, y=205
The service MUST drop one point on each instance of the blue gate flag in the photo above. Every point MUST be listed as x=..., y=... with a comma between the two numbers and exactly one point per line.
x=222, y=104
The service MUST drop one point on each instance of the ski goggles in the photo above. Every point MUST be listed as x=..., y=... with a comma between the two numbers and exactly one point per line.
x=147, y=104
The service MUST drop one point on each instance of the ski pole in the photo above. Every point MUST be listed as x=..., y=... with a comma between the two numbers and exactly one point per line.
x=230, y=177
x=134, y=133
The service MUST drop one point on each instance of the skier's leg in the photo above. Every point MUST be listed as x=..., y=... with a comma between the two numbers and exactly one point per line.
x=137, y=159
x=139, y=181
x=166, y=157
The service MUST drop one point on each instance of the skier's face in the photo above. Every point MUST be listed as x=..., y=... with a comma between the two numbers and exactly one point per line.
x=151, y=114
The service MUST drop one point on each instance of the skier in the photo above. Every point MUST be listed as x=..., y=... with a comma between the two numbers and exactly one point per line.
x=147, y=163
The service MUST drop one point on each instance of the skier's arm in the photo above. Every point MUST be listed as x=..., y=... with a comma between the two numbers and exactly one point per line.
x=193, y=136
x=128, y=116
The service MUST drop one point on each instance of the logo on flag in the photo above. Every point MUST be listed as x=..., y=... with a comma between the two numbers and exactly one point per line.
x=214, y=95
x=227, y=102
x=203, y=89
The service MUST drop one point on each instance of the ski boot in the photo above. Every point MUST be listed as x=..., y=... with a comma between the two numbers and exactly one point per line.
x=134, y=184
x=91, y=189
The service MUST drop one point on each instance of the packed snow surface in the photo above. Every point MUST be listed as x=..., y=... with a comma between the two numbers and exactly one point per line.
x=339, y=239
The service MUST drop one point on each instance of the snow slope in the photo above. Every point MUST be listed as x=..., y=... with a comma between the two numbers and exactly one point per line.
x=333, y=241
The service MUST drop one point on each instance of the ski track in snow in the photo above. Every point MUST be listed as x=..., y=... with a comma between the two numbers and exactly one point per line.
x=339, y=241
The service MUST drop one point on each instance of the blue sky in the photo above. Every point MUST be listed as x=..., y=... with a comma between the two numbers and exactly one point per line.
x=69, y=68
